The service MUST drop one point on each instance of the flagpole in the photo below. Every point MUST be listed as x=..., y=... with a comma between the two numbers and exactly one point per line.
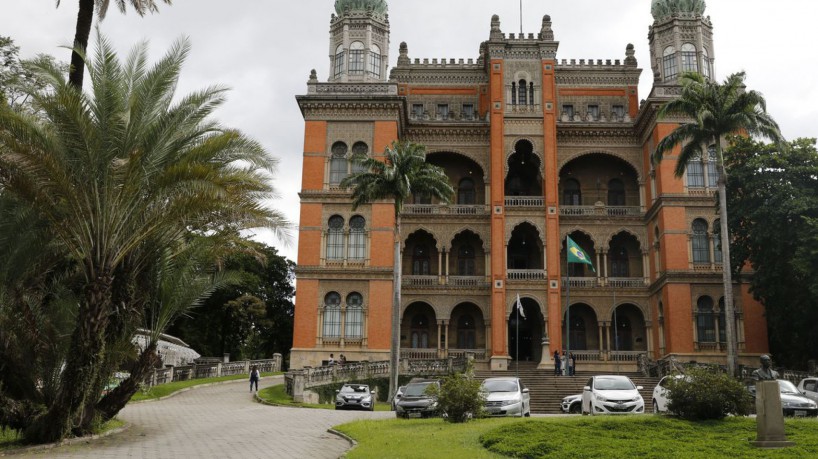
x=517, y=339
x=567, y=305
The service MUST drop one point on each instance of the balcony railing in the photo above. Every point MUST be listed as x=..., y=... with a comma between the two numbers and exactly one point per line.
x=580, y=282
x=476, y=282
x=469, y=281
x=624, y=356
x=443, y=209
x=525, y=201
x=595, y=211
x=418, y=353
x=626, y=282
x=526, y=274
x=420, y=281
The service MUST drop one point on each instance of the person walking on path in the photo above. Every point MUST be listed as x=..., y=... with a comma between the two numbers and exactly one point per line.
x=556, y=363
x=254, y=377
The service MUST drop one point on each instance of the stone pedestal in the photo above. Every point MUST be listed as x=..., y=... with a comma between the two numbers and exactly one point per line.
x=545, y=361
x=500, y=363
x=770, y=417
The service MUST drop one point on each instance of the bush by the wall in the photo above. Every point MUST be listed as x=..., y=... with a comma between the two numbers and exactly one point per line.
x=460, y=397
x=707, y=394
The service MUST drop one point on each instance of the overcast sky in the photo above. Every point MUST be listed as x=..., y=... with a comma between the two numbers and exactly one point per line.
x=264, y=50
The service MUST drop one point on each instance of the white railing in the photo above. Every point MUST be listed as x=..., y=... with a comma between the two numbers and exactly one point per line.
x=418, y=353
x=523, y=108
x=587, y=356
x=627, y=282
x=525, y=201
x=419, y=281
x=443, y=209
x=611, y=211
x=469, y=281
x=479, y=354
x=526, y=274
x=624, y=356
x=580, y=282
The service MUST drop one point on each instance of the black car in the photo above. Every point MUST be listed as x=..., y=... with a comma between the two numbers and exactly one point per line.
x=417, y=402
x=355, y=397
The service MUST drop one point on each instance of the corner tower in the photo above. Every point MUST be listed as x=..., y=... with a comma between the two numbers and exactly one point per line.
x=681, y=40
x=359, y=41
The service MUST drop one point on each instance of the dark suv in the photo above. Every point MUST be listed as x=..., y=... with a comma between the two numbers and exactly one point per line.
x=416, y=401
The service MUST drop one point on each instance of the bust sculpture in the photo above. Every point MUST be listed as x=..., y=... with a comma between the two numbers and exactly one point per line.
x=766, y=372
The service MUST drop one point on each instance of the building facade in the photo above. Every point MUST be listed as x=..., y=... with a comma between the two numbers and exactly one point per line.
x=537, y=148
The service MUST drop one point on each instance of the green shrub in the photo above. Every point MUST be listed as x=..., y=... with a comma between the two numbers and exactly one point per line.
x=459, y=397
x=707, y=394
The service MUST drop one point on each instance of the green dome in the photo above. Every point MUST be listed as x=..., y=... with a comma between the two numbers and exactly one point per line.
x=378, y=7
x=662, y=9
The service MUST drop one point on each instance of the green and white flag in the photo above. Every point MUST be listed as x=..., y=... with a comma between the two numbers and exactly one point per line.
x=576, y=255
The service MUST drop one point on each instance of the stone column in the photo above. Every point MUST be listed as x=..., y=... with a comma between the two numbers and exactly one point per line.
x=440, y=266
x=605, y=264
x=770, y=418
x=439, y=337
x=608, y=339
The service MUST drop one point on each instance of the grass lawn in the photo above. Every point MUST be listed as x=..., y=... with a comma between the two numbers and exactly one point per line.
x=574, y=437
x=278, y=396
x=163, y=390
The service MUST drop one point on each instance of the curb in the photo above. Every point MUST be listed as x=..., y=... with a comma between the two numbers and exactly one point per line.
x=352, y=442
x=66, y=442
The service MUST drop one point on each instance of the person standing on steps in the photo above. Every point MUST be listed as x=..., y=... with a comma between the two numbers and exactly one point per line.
x=254, y=377
x=564, y=360
x=571, y=368
x=556, y=363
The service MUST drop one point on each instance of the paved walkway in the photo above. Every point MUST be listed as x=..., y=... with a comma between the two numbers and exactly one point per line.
x=220, y=421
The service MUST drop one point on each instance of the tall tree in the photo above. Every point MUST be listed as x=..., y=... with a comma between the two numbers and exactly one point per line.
x=773, y=197
x=85, y=18
x=402, y=172
x=118, y=175
x=711, y=111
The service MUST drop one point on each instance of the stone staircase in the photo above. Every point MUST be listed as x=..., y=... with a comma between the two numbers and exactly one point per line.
x=547, y=390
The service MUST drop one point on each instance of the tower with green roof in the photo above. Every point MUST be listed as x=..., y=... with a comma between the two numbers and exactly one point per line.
x=359, y=41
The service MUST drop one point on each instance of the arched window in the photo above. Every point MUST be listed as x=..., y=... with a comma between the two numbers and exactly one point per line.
x=705, y=64
x=357, y=238
x=619, y=262
x=669, y=63
x=339, y=61
x=420, y=260
x=338, y=166
x=465, y=260
x=353, y=325
x=356, y=58
x=616, y=193
x=713, y=172
x=420, y=331
x=722, y=322
x=695, y=173
x=705, y=321
x=466, y=332
x=571, y=194
x=359, y=150
x=689, y=58
x=465, y=191
x=335, y=238
x=522, y=89
x=513, y=93
x=717, y=242
x=375, y=61
x=332, y=315
x=701, y=242
x=531, y=93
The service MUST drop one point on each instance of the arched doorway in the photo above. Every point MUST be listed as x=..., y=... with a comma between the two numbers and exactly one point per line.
x=583, y=328
x=629, y=333
x=467, y=328
x=419, y=327
x=527, y=332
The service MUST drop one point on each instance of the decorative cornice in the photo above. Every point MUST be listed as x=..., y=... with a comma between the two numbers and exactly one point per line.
x=594, y=134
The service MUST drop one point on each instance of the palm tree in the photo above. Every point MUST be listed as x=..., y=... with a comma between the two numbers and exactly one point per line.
x=118, y=175
x=713, y=111
x=85, y=17
x=403, y=172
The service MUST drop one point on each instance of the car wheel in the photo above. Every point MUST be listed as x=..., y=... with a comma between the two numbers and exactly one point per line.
x=575, y=408
x=655, y=407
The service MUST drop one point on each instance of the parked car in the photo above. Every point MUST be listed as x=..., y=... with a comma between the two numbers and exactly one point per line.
x=398, y=395
x=808, y=387
x=355, y=396
x=572, y=404
x=661, y=394
x=416, y=402
x=611, y=394
x=506, y=396
x=793, y=403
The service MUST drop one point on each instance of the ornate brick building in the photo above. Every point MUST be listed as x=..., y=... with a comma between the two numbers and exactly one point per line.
x=537, y=148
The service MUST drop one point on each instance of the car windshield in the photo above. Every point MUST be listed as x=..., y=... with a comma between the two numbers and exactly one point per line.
x=416, y=390
x=787, y=387
x=353, y=389
x=500, y=386
x=613, y=384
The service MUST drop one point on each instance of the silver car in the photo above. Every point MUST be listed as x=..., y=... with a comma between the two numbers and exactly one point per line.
x=355, y=397
x=506, y=397
x=611, y=394
x=809, y=388
x=572, y=404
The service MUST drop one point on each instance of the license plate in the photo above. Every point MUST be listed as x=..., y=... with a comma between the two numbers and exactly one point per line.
x=414, y=415
x=800, y=413
x=619, y=406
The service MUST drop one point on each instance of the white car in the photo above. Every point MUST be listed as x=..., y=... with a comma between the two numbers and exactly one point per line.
x=661, y=394
x=506, y=397
x=611, y=394
x=808, y=387
x=572, y=404
x=398, y=395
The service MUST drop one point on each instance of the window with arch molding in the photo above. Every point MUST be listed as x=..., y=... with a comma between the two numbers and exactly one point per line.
x=465, y=192
x=375, y=61
x=513, y=93
x=338, y=165
x=357, y=238
x=359, y=150
x=356, y=58
x=705, y=320
x=695, y=173
x=689, y=58
x=571, y=194
x=700, y=242
x=717, y=241
x=420, y=260
x=332, y=315
x=339, y=61
x=466, y=332
x=669, y=65
x=354, y=320
x=713, y=173
x=522, y=92
x=335, y=238
x=420, y=331
x=706, y=64
x=619, y=262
